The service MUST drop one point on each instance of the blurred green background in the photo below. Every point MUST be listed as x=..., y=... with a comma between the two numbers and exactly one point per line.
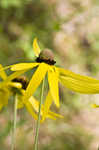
x=70, y=28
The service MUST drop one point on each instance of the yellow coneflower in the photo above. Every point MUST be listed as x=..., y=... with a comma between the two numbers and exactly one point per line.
x=5, y=91
x=19, y=85
x=45, y=65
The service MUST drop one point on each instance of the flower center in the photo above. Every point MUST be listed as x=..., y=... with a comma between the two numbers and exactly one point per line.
x=47, y=57
x=23, y=80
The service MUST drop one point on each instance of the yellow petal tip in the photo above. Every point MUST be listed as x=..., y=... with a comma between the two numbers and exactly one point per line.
x=36, y=47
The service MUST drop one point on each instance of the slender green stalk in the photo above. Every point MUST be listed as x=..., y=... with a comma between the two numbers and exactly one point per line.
x=38, y=121
x=14, y=124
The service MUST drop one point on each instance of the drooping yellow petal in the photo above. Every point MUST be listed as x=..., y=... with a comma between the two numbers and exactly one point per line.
x=78, y=83
x=36, y=80
x=55, y=115
x=36, y=47
x=27, y=104
x=23, y=66
x=47, y=104
x=34, y=103
x=67, y=73
x=30, y=110
x=4, y=97
x=15, y=74
x=80, y=86
x=11, y=77
x=50, y=114
x=33, y=107
x=2, y=73
x=53, y=85
x=15, y=84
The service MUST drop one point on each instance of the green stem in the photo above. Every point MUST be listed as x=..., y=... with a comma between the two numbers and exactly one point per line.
x=38, y=121
x=14, y=125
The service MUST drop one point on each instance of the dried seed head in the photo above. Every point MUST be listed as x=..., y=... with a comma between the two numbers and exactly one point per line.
x=46, y=55
x=23, y=80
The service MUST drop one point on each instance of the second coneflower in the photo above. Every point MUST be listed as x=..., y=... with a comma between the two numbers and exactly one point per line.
x=17, y=87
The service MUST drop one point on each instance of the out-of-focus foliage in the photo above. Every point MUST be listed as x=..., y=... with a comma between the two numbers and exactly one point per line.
x=20, y=22
x=69, y=140
x=71, y=29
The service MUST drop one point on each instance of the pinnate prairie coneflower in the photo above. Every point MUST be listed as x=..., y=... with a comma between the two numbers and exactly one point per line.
x=18, y=86
x=45, y=65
